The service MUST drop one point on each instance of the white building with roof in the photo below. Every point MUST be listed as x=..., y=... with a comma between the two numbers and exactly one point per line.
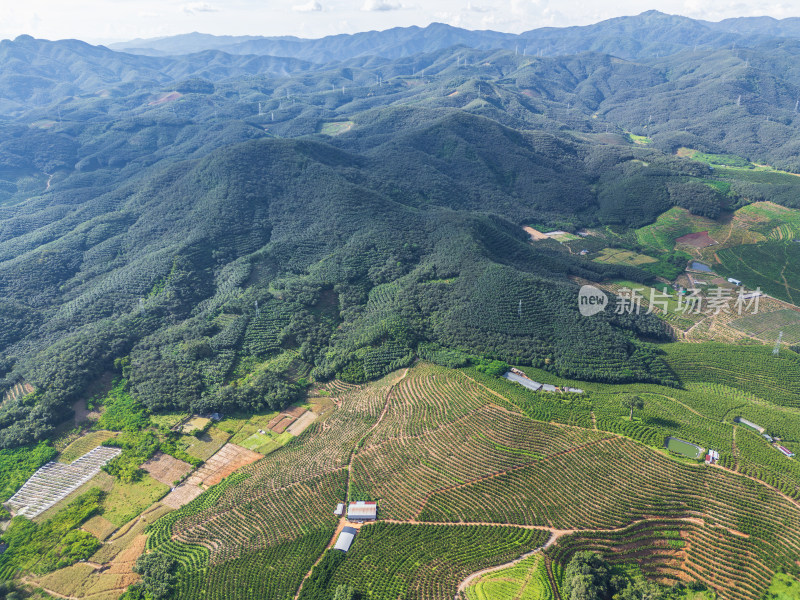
x=362, y=511
x=345, y=539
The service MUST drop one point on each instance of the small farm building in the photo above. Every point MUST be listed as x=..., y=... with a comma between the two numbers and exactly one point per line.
x=750, y=424
x=734, y=281
x=362, y=511
x=345, y=539
x=786, y=451
x=339, y=509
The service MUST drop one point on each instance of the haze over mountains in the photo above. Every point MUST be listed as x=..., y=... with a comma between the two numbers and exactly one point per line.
x=649, y=34
x=201, y=205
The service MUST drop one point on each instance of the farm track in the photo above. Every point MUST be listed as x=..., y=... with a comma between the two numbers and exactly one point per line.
x=556, y=534
x=343, y=521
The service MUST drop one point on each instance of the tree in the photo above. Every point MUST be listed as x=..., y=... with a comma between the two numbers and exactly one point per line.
x=158, y=574
x=344, y=592
x=632, y=402
x=586, y=578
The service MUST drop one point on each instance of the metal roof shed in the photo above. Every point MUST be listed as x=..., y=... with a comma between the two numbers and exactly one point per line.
x=345, y=539
x=362, y=511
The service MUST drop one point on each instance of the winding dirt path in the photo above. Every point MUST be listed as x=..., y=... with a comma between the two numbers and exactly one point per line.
x=462, y=587
x=343, y=521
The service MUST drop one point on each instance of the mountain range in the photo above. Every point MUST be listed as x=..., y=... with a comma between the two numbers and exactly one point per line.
x=228, y=217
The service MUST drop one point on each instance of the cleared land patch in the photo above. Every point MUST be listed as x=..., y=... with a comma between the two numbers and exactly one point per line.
x=701, y=239
x=335, y=128
x=670, y=226
x=166, y=469
x=302, y=423
x=181, y=495
x=194, y=424
x=618, y=256
x=534, y=233
x=229, y=459
x=206, y=445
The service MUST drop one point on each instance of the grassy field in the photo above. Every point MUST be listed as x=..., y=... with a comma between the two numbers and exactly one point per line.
x=126, y=501
x=729, y=160
x=167, y=420
x=265, y=443
x=641, y=140
x=194, y=424
x=206, y=445
x=334, y=128
x=84, y=444
x=783, y=587
x=618, y=256
x=122, y=501
x=247, y=434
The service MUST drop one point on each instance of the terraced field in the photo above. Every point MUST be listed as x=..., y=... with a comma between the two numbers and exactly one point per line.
x=454, y=457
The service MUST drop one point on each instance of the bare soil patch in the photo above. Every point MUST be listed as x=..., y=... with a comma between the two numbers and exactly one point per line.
x=700, y=239
x=166, y=469
x=296, y=412
x=166, y=98
x=281, y=426
x=534, y=233
x=181, y=495
x=301, y=424
x=230, y=458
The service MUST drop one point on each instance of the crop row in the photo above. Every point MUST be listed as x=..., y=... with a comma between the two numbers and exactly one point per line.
x=433, y=561
x=274, y=572
x=402, y=472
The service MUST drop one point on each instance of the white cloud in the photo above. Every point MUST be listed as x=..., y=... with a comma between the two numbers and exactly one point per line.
x=479, y=9
x=379, y=6
x=194, y=8
x=311, y=6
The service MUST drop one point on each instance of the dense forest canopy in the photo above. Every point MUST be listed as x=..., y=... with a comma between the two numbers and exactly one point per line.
x=225, y=225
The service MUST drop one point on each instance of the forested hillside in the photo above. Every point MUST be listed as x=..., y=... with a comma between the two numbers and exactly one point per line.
x=225, y=227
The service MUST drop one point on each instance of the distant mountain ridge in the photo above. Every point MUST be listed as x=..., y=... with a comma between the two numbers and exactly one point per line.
x=650, y=33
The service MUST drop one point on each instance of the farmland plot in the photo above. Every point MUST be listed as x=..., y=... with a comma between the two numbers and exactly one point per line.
x=166, y=469
x=229, y=459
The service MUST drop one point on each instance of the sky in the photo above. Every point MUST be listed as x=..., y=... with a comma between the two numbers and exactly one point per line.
x=104, y=21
